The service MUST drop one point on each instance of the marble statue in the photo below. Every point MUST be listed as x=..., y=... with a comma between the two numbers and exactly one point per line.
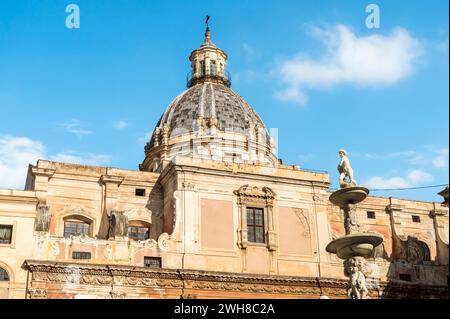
x=345, y=171
x=118, y=224
x=43, y=218
x=354, y=268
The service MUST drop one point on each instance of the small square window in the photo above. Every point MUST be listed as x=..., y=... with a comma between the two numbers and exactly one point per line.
x=140, y=192
x=404, y=277
x=6, y=234
x=81, y=255
x=152, y=262
x=371, y=215
x=416, y=219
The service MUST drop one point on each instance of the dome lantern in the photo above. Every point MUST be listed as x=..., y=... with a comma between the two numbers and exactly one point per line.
x=208, y=63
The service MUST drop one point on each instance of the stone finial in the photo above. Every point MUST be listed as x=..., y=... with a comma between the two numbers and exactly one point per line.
x=201, y=123
x=156, y=137
x=213, y=124
x=345, y=171
x=165, y=134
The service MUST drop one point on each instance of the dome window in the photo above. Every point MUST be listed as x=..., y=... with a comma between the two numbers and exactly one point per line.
x=213, y=68
x=202, y=68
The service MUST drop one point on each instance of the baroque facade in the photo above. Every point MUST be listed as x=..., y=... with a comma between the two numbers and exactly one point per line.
x=212, y=213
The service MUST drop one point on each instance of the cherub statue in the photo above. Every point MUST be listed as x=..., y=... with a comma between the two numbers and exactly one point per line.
x=357, y=288
x=345, y=170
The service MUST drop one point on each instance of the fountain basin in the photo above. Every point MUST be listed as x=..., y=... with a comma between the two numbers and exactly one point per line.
x=349, y=195
x=360, y=244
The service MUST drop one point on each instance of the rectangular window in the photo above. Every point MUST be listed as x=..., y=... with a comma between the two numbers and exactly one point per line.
x=255, y=225
x=74, y=228
x=371, y=215
x=416, y=219
x=140, y=192
x=81, y=255
x=6, y=234
x=404, y=277
x=152, y=262
x=138, y=232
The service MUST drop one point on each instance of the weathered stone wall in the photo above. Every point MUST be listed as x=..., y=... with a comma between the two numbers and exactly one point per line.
x=197, y=213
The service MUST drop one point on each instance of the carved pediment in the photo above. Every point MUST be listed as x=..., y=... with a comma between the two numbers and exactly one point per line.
x=255, y=192
x=143, y=214
x=78, y=210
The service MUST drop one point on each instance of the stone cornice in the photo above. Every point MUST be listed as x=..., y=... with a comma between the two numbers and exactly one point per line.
x=104, y=179
x=129, y=276
x=228, y=171
x=18, y=196
x=37, y=171
x=438, y=212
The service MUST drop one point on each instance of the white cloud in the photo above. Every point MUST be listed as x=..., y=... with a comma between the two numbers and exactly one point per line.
x=417, y=177
x=438, y=158
x=393, y=182
x=373, y=60
x=441, y=159
x=384, y=156
x=412, y=179
x=75, y=127
x=16, y=153
x=121, y=124
x=291, y=94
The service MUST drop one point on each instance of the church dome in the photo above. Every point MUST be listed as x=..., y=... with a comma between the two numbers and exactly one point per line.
x=208, y=101
x=209, y=120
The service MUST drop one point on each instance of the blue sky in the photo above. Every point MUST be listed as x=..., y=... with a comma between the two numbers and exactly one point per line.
x=313, y=70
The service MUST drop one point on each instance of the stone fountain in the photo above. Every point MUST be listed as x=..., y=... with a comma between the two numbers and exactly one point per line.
x=356, y=245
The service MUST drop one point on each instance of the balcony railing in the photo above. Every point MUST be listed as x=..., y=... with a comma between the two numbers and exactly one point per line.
x=210, y=76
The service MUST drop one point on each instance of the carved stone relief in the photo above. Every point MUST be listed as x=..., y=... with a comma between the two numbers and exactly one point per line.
x=412, y=250
x=304, y=220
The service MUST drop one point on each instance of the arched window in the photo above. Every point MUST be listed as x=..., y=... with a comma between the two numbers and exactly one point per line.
x=3, y=275
x=213, y=68
x=202, y=68
x=138, y=230
x=76, y=226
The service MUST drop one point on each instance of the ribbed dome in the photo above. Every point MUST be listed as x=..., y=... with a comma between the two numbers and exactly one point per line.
x=209, y=121
x=209, y=100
